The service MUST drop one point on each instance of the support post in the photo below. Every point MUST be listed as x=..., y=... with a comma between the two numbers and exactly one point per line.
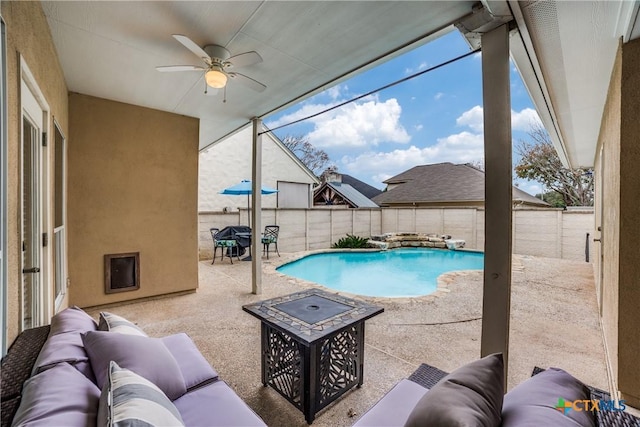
x=496, y=301
x=256, y=211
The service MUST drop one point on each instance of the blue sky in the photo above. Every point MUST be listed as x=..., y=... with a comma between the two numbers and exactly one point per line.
x=436, y=117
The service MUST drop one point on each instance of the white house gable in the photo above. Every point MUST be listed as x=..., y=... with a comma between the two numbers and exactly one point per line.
x=229, y=161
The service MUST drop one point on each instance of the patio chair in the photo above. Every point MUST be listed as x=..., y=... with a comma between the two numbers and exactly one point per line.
x=224, y=244
x=269, y=237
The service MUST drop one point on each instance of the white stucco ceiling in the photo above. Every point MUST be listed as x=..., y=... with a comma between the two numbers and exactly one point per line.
x=564, y=51
x=110, y=49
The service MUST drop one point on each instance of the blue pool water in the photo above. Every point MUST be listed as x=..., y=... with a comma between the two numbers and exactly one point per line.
x=394, y=273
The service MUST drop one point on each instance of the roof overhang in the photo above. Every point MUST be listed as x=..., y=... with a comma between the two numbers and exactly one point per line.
x=565, y=52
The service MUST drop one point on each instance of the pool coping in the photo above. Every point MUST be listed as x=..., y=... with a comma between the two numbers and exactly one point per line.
x=442, y=282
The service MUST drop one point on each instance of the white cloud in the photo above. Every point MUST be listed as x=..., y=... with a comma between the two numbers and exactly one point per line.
x=458, y=148
x=359, y=125
x=472, y=118
x=418, y=128
x=520, y=120
x=304, y=111
x=524, y=119
x=379, y=179
x=422, y=66
x=367, y=122
x=336, y=91
x=313, y=105
x=438, y=96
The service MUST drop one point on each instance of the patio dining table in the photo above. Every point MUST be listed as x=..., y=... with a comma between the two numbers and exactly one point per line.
x=246, y=238
x=239, y=233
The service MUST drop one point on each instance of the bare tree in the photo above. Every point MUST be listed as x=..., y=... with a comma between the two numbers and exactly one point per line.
x=313, y=158
x=540, y=162
x=478, y=164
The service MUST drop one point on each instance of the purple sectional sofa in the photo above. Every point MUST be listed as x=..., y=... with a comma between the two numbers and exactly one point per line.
x=473, y=395
x=84, y=372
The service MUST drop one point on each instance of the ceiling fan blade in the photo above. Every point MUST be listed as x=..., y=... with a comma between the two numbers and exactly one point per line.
x=193, y=47
x=171, y=68
x=247, y=81
x=244, y=59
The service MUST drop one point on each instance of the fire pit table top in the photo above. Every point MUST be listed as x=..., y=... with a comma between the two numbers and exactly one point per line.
x=311, y=314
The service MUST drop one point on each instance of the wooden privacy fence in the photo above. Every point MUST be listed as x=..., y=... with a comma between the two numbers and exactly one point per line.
x=550, y=233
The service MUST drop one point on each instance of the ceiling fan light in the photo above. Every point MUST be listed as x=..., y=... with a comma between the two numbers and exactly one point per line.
x=216, y=78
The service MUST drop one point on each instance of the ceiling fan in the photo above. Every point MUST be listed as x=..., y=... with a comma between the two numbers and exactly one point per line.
x=218, y=63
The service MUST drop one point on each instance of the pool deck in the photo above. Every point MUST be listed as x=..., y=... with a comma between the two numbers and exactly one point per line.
x=554, y=322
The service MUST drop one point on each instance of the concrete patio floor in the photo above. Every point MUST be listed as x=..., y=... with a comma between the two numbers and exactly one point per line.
x=554, y=322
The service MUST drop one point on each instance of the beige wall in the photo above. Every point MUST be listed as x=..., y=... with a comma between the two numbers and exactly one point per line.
x=133, y=187
x=27, y=36
x=629, y=274
x=607, y=208
x=618, y=214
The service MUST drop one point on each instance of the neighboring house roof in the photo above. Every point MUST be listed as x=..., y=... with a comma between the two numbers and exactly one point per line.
x=346, y=195
x=364, y=188
x=442, y=183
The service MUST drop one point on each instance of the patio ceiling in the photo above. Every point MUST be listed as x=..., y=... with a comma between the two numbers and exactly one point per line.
x=564, y=51
x=110, y=49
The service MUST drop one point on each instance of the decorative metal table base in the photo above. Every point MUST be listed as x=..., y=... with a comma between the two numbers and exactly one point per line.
x=311, y=377
x=312, y=346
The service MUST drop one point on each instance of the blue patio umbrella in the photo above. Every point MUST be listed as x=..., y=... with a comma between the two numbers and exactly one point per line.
x=244, y=187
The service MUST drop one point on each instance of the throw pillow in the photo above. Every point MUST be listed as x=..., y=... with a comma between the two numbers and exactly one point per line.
x=114, y=323
x=66, y=347
x=470, y=396
x=60, y=396
x=72, y=319
x=535, y=402
x=147, y=357
x=129, y=400
x=195, y=369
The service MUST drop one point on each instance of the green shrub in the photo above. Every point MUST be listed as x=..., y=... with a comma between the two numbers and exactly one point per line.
x=352, y=242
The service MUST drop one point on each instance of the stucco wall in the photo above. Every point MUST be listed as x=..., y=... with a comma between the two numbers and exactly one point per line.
x=629, y=254
x=228, y=162
x=133, y=177
x=618, y=214
x=607, y=208
x=27, y=35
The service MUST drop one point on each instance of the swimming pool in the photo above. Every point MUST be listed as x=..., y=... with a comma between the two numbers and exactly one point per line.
x=395, y=273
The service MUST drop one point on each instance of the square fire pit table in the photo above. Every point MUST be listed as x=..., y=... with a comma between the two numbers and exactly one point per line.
x=312, y=346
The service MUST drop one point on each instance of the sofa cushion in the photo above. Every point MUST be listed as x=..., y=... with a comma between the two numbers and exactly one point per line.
x=128, y=399
x=394, y=408
x=72, y=319
x=64, y=347
x=469, y=396
x=535, y=401
x=145, y=356
x=195, y=369
x=215, y=405
x=60, y=396
x=114, y=323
